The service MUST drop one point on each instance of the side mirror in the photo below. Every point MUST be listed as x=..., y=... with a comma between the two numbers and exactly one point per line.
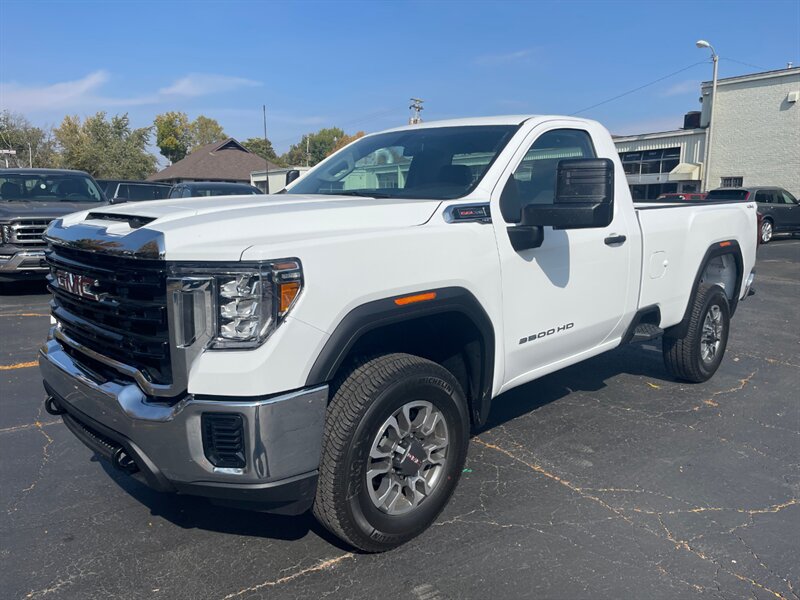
x=292, y=175
x=117, y=200
x=584, y=196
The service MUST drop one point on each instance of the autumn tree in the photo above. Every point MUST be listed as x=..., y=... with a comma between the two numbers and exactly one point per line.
x=205, y=130
x=346, y=139
x=173, y=135
x=105, y=148
x=34, y=146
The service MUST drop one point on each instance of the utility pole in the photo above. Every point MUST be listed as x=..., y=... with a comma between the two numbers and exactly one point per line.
x=266, y=160
x=308, y=151
x=416, y=108
x=8, y=153
x=30, y=155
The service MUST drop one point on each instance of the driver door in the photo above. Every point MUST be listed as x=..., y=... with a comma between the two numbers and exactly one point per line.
x=564, y=300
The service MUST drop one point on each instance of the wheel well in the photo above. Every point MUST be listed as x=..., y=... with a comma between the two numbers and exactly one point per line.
x=723, y=271
x=722, y=265
x=450, y=339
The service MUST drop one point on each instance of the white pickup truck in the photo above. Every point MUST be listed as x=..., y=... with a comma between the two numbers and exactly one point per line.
x=331, y=346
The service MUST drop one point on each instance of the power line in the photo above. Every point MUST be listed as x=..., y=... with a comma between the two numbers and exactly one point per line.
x=741, y=62
x=641, y=87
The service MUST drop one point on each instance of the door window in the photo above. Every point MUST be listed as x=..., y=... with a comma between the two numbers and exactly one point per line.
x=786, y=197
x=764, y=197
x=534, y=180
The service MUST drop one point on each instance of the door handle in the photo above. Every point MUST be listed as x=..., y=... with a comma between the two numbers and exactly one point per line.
x=615, y=239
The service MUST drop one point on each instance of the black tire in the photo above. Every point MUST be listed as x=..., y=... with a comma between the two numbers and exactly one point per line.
x=684, y=356
x=363, y=400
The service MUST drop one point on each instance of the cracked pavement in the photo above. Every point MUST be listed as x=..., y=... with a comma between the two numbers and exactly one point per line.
x=605, y=480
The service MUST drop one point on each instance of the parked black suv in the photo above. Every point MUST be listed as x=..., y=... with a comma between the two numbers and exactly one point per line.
x=124, y=190
x=192, y=189
x=780, y=210
x=29, y=200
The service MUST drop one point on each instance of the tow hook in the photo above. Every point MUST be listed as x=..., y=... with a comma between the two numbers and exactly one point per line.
x=123, y=461
x=52, y=407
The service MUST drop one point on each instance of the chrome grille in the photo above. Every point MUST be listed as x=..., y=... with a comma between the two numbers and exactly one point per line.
x=125, y=316
x=27, y=233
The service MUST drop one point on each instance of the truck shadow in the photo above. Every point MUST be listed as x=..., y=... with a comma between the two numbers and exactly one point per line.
x=189, y=512
x=643, y=359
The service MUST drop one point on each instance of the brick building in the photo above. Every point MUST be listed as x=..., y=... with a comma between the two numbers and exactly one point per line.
x=756, y=140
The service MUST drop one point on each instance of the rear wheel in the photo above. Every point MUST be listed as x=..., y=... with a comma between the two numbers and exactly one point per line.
x=697, y=356
x=767, y=230
x=394, y=445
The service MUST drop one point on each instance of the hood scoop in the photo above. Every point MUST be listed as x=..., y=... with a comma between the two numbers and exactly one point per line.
x=133, y=221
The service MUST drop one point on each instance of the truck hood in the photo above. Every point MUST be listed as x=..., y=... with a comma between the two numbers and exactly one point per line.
x=223, y=227
x=41, y=210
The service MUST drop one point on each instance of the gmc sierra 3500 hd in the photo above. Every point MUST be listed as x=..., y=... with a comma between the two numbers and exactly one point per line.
x=330, y=346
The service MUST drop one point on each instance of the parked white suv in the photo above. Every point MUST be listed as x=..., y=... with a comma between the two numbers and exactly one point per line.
x=332, y=346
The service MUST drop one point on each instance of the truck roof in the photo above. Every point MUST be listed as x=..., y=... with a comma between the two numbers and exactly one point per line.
x=476, y=121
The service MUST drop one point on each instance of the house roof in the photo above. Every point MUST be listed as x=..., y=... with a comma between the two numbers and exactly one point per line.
x=227, y=160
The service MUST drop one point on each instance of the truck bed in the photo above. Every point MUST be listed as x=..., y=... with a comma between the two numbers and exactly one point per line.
x=675, y=239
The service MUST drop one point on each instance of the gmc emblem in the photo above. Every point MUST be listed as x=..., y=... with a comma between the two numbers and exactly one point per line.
x=79, y=285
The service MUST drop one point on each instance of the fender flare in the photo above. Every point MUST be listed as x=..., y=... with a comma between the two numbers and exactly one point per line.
x=379, y=313
x=717, y=249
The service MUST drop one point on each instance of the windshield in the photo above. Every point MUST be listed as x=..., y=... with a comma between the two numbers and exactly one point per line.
x=437, y=163
x=58, y=187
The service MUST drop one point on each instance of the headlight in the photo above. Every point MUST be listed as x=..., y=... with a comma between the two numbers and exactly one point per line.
x=239, y=305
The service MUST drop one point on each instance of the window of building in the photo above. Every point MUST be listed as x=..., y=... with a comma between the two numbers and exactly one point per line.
x=387, y=180
x=731, y=182
x=650, y=162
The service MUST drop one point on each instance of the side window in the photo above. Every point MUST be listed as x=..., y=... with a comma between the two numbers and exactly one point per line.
x=763, y=197
x=534, y=180
x=787, y=197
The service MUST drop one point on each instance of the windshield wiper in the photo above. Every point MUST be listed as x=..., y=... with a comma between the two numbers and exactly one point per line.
x=362, y=194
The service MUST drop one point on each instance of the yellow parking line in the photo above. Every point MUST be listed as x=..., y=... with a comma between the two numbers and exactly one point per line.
x=24, y=365
x=24, y=315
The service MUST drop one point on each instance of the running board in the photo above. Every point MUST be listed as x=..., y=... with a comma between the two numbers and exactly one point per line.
x=645, y=332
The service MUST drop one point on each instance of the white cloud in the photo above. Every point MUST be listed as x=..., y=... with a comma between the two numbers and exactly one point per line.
x=681, y=88
x=84, y=93
x=203, y=84
x=503, y=59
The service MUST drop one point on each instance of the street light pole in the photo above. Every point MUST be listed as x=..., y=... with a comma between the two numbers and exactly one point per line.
x=710, y=128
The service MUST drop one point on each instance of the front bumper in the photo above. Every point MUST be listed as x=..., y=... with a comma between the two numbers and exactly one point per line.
x=22, y=263
x=164, y=442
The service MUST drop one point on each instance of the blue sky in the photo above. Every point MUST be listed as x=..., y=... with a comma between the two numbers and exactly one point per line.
x=355, y=64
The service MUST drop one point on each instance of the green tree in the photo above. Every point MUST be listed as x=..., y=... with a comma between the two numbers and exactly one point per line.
x=261, y=147
x=204, y=131
x=108, y=149
x=173, y=135
x=319, y=146
x=34, y=146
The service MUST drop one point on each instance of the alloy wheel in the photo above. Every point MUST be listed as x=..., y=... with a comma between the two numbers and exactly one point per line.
x=407, y=458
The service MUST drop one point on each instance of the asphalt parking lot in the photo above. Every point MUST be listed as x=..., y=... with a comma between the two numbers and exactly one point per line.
x=605, y=480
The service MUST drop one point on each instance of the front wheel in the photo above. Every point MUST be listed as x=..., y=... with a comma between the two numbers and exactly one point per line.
x=766, y=231
x=696, y=356
x=393, y=449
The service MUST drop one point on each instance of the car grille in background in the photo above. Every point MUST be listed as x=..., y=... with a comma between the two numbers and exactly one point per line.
x=128, y=320
x=223, y=439
x=27, y=233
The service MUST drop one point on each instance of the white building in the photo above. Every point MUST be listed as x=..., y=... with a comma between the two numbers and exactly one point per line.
x=276, y=177
x=756, y=140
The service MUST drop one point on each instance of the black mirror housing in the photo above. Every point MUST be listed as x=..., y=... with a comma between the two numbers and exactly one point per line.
x=292, y=175
x=584, y=196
